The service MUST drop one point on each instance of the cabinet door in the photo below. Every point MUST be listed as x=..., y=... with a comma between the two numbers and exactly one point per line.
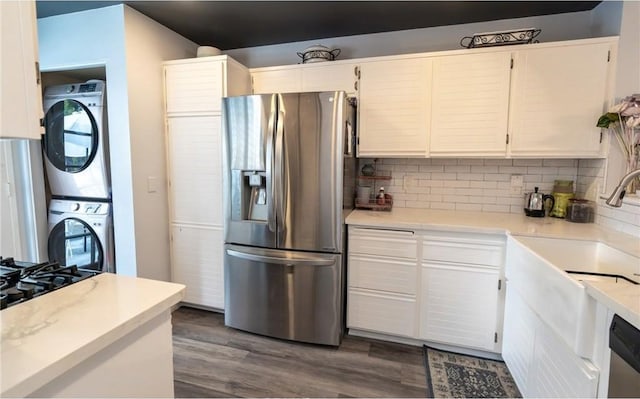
x=329, y=77
x=394, y=108
x=194, y=87
x=21, y=94
x=459, y=306
x=194, y=152
x=470, y=104
x=381, y=312
x=196, y=262
x=286, y=80
x=558, y=93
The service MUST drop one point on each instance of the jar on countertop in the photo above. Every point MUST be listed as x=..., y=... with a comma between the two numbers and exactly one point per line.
x=581, y=211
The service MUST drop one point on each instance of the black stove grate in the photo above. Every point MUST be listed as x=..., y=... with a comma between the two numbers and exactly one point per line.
x=22, y=281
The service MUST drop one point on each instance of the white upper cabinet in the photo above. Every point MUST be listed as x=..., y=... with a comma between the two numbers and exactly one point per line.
x=558, y=93
x=21, y=94
x=322, y=76
x=394, y=108
x=184, y=93
x=196, y=86
x=470, y=104
x=280, y=80
x=326, y=76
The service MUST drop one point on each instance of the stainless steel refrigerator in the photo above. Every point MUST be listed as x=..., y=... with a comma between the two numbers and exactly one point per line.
x=288, y=186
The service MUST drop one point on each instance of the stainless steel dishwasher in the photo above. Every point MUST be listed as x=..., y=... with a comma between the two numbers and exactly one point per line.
x=624, y=371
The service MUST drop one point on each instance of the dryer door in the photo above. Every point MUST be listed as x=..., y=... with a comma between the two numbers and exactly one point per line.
x=74, y=242
x=71, y=136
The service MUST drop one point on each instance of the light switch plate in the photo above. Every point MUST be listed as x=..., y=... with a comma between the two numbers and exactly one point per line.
x=152, y=184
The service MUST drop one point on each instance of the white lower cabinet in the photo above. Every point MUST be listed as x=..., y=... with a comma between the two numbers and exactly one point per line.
x=459, y=306
x=381, y=312
x=461, y=296
x=433, y=286
x=196, y=262
x=381, y=281
x=541, y=363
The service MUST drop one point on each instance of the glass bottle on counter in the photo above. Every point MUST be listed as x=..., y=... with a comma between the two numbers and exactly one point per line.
x=380, y=200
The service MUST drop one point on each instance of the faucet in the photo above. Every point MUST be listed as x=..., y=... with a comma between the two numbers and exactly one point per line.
x=618, y=194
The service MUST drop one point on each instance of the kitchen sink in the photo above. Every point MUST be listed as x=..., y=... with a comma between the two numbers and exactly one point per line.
x=586, y=257
x=537, y=268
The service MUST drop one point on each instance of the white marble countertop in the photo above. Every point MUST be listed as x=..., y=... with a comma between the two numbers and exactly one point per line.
x=46, y=336
x=624, y=301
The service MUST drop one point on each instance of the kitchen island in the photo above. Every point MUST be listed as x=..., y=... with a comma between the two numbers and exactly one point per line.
x=107, y=336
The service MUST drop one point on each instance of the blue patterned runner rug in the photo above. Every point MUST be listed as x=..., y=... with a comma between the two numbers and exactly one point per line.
x=452, y=375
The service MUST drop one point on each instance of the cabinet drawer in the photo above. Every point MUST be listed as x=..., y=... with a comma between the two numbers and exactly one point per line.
x=463, y=252
x=392, y=243
x=380, y=312
x=383, y=274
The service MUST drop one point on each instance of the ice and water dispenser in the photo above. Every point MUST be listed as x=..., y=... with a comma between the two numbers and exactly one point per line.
x=251, y=200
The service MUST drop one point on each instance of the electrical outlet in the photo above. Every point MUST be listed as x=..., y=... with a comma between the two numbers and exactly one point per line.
x=517, y=181
x=408, y=181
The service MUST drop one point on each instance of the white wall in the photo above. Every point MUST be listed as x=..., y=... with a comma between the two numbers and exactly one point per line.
x=554, y=27
x=92, y=38
x=148, y=44
x=624, y=16
x=134, y=97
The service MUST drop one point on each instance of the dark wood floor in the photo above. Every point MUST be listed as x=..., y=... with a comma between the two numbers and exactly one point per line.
x=211, y=360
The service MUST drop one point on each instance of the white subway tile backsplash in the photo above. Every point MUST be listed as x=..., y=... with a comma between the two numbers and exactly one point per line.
x=466, y=161
x=431, y=168
x=527, y=162
x=457, y=168
x=499, y=162
x=456, y=183
x=443, y=176
x=560, y=162
x=514, y=170
x=472, y=184
x=470, y=176
x=485, y=169
x=444, y=161
x=497, y=177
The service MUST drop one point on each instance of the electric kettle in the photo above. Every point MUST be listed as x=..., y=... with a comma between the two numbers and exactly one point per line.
x=534, y=203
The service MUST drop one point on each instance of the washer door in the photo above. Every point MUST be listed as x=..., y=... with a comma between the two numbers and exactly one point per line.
x=71, y=136
x=73, y=242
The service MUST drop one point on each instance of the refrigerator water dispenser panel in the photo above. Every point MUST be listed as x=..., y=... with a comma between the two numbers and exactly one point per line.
x=249, y=201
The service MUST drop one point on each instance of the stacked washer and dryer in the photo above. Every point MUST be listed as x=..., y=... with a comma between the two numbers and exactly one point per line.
x=76, y=160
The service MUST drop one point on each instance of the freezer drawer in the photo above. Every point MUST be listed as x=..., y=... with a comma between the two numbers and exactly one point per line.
x=284, y=294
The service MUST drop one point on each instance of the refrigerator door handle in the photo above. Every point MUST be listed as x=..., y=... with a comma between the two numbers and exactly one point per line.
x=271, y=215
x=349, y=139
x=278, y=172
x=298, y=261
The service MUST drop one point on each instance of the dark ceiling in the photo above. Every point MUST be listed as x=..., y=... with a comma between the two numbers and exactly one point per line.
x=237, y=24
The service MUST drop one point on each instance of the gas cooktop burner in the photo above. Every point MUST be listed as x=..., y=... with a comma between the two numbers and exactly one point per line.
x=21, y=281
